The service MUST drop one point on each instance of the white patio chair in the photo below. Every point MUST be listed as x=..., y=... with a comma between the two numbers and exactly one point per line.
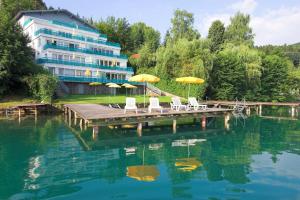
x=154, y=104
x=130, y=105
x=177, y=105
x=194, y=104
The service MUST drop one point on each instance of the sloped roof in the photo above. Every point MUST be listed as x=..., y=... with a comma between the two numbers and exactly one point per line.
x=63, y=11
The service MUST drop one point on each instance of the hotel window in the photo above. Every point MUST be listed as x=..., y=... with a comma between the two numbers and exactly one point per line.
x=60, y=57
x=101, y=62
x=51, y=70
x=69, y=72
x=107, y=75
x=48, y=41
x=110, y=63
x=54, y=42
x=79, y=73
x=97, y=61
x=61, y=71
x=118, y=63
x=72, y=46
x=54, y=56
x=105, y=63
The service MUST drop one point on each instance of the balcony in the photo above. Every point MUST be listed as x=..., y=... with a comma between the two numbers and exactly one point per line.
x=80, y=64
x=93, y=79
x=83, y=50
x=73, y=25
x=75, y=37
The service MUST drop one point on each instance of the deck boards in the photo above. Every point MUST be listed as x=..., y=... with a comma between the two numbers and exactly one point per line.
x=100, y=112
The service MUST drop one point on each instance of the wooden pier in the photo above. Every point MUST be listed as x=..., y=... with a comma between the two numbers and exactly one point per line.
x=94, y=115
x=258, y=106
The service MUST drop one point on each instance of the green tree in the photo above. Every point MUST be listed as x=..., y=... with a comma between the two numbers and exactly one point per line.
x=239, y=30
x=42, y=86
x=227, y=79
x=216, y=35
x=274, y=78
x=141, y=35
x=12, y=7
x=16, y=58
x=182, y=26
x=117, y=30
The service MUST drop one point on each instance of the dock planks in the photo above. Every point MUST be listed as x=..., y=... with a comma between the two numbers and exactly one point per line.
x=95, y=112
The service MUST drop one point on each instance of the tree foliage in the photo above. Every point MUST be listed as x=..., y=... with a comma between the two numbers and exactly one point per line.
x=182, y=26
x=216, y=35
x=239, y=30
x=42, y=86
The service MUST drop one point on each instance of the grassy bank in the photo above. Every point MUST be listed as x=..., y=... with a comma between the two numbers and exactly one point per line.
x=11, y=101
x=103, y=99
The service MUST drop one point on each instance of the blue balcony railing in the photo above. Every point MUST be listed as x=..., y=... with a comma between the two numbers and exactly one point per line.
x=94, y=79
x=73, y=25
x=83, y=50
x=27, y=21
x=75, y=37
x=80, y=64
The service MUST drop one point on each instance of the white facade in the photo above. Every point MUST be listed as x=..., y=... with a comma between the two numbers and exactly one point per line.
x=72, y=49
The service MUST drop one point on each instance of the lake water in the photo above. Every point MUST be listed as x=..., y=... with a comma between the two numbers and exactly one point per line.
x=255, y=158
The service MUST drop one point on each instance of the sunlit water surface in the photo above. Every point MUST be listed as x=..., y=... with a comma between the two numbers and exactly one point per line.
x=255, y=158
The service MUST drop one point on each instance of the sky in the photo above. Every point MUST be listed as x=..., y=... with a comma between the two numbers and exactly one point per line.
x=273, y=21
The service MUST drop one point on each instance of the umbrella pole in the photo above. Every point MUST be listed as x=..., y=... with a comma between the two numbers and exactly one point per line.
x=144, y=94
x=189, y=90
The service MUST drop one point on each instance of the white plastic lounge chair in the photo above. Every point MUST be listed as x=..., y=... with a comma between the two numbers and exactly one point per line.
x=177, y=105
x=130, y=104
x=154, y=104
x=194, y=104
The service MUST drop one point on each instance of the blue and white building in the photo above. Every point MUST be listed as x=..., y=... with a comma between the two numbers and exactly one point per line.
x=72, y=49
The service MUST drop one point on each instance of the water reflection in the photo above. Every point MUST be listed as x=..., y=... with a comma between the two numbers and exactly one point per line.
x=50, y=159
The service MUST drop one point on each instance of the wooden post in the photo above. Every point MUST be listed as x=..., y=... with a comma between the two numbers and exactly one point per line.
x=174, y=126
x=293, y=111
x=260, y=110
x=226, y=121
x=35, y=114
x=139, y=129
x=248, y=111
x=19, y=115
x=81, y=124
x=95, y=132
x=75, y=118
x=203, y=122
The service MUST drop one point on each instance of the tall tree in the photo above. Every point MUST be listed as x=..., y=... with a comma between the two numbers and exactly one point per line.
x=216, y=35
x=141, y=34
x=16, y=57
x=117, y=30
x=239, y=30
x=274, y=78
x=12, y=7
x=182, y=26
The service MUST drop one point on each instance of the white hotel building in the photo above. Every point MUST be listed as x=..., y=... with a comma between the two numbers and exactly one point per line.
x=72, y=49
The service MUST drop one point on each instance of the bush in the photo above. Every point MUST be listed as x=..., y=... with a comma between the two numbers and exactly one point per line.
x=42, y=87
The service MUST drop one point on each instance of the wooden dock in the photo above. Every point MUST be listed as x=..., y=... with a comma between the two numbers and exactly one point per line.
x=94, y=115
x=258, y=106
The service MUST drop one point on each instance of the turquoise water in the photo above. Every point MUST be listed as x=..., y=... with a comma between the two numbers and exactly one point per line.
x=255, y=158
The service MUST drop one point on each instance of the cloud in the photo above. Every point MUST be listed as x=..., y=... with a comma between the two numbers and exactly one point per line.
x=280, y=26
x=245, y=6
x=276, y=26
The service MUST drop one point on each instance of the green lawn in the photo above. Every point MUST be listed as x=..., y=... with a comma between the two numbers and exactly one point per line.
x=11, y=101
x=103, y=99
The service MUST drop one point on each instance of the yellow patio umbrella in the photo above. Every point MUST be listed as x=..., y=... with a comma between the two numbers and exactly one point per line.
x=146, y=173
x=144, y=78
x=87, y=72
x=95, y=84
x=108, y=84
x=190, y=80
x=143, y=172
x=129, y=86
x=187, y=164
